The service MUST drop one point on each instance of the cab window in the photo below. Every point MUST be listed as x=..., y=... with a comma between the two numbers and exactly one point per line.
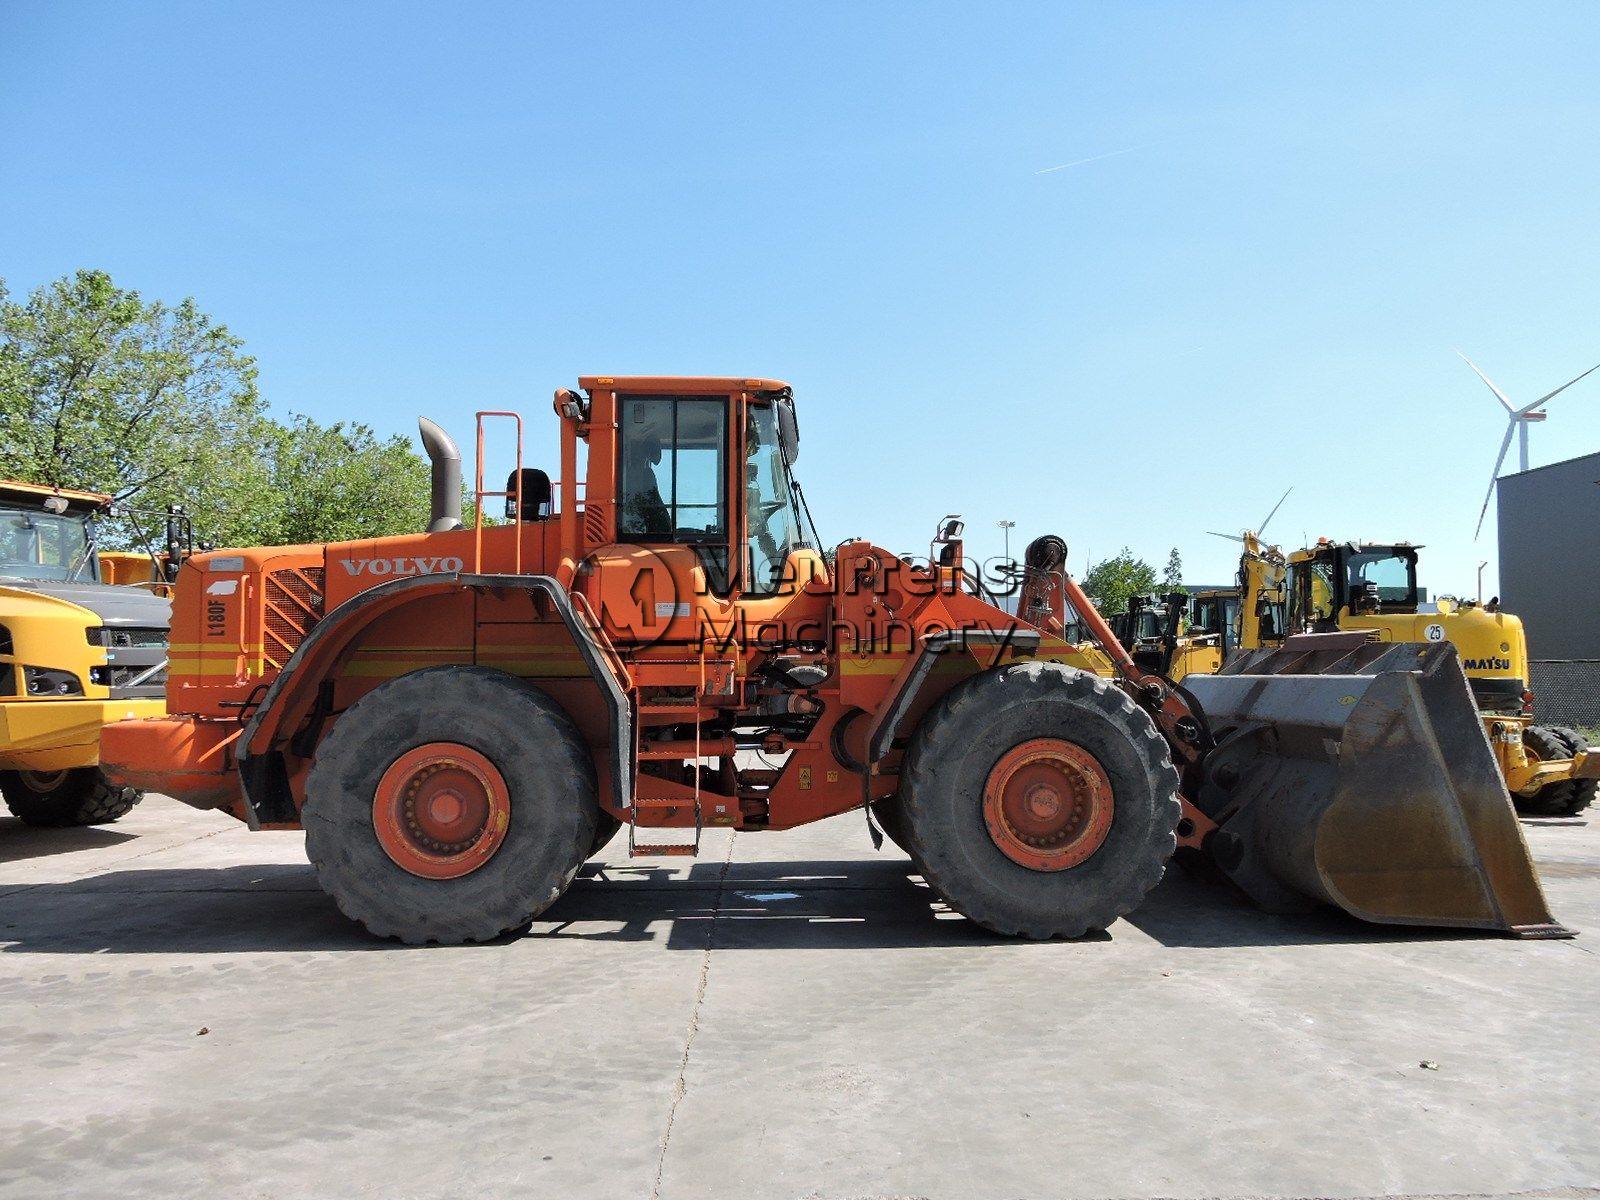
x=772, y=518
x=673, y=454
x=1391, y=575
x=1312, y=606
x=43, y=545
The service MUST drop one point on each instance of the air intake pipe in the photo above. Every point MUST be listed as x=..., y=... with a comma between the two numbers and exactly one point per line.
x=446, y=460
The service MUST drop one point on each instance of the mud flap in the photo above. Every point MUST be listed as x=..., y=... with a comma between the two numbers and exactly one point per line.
x=1358, y=774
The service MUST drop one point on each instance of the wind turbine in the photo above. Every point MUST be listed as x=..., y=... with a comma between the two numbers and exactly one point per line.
x=1517, y=421
x=1260, y=529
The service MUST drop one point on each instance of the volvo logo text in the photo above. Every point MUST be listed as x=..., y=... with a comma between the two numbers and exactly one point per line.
x=401, y=566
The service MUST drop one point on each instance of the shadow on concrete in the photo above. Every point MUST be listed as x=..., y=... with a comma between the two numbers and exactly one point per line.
x=841, y=905
x=19, y=842
x=845, y=905
x=1190, y=910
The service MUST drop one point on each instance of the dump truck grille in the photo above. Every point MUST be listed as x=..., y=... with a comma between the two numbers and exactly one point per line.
x=128, y=637
x=132, y=681
x=294, y=605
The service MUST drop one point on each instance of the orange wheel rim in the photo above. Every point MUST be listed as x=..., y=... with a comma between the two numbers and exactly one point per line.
x=441, y=810
x=1047, y=804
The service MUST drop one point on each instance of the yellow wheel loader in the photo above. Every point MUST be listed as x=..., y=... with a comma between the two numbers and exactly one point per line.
x=75, y=654
x=1371, y=588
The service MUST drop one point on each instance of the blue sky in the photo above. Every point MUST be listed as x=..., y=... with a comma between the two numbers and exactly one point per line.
x=1292, y=217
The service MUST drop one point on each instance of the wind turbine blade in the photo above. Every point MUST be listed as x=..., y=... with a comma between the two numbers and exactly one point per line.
x=1232, y=537
x=1494, y=476
x=1529, y=408
x=1499, y=395
x=1260, y=529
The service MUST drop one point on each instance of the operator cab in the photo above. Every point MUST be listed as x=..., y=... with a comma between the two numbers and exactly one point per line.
x=1216, y=614
x=676, y=487
x=1356, y=578
x=48, y=534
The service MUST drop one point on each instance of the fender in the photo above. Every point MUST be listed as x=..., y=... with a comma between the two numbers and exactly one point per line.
x=291, y=697
x=912, y=682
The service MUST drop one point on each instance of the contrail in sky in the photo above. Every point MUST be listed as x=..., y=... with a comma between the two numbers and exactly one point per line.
x=1078, y=162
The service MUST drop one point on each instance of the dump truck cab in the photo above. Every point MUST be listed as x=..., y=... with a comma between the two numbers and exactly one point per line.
x=75, y=653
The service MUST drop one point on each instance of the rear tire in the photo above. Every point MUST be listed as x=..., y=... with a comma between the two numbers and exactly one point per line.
x=1554, y=799
x=59, y=799
x=542, y=768
x=979, y=728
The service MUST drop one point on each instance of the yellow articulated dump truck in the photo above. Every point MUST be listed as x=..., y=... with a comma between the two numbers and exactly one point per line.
x=76, y=652
x=1371, y=588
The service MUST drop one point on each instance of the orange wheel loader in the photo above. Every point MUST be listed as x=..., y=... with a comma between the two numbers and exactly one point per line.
x=460, y=717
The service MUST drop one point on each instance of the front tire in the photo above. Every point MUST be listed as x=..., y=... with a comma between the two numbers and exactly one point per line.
x=1040, y=801
x=1559, y=799
x=59, y=799
x=605, y=828
x=450, y=805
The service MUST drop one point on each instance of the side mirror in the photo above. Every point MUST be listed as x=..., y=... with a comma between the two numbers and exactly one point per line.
x=788, y=431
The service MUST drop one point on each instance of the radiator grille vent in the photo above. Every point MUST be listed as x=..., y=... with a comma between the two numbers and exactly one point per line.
x=294, y=605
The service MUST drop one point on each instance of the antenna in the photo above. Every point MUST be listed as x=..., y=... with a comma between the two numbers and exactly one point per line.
x=1517, y=421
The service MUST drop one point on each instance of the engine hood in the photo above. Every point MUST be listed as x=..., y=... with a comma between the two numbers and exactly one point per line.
x=114, y=606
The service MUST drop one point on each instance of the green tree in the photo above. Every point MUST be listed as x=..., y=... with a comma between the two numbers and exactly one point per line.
x=333, y=483
x=156, y=405
x=1172, y=574
x=1111, y=582
x=100, y=389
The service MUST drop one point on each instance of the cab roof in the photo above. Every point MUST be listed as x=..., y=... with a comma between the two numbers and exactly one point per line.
x=1325, y=544
x=16, y=490
x=680, y=384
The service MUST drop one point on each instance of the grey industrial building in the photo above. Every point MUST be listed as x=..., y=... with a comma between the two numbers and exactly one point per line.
x=1549, y=521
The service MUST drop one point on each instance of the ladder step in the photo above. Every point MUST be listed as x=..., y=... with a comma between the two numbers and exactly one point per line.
x=669, y=751
x=666, y=849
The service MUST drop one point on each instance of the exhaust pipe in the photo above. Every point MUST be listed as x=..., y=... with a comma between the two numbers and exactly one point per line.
x=446, y=460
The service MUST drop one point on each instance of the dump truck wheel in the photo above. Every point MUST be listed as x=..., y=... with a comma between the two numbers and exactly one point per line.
x=1555, y=799
x=1040, y=801
x=1583, y=790
x=450, y=805
x=56, y=799
x=605, y=828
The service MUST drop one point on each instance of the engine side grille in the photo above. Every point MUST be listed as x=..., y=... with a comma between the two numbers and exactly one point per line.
x=594, y=523
x=293, y=606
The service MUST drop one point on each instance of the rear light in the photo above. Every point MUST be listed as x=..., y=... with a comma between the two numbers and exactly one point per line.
x=1527, y=704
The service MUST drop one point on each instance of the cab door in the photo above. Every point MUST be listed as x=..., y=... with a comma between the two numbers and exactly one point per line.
x=666, y=580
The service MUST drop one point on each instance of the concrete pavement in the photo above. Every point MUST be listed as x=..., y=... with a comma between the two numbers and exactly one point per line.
x=788, y=1016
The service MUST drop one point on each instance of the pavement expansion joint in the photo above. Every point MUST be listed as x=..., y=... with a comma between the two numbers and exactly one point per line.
x=680, y=1086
